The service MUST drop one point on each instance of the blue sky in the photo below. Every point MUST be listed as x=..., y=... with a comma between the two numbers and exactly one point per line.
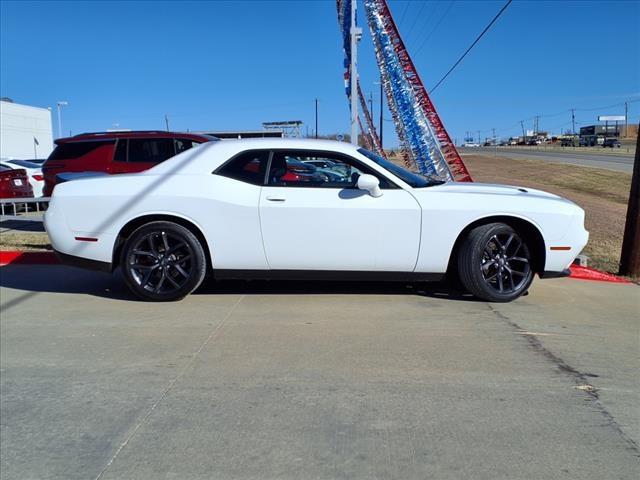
x=233, y=65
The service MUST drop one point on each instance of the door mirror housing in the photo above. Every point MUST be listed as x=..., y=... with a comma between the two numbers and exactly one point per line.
x=369, y=183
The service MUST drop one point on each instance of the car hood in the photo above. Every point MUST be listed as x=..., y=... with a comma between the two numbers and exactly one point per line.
x=471, y=188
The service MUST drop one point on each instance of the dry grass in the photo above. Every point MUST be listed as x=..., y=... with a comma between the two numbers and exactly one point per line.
x=25, y=241
x=602, y=193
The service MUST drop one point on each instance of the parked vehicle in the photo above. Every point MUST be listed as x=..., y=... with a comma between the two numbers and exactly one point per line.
x=611, y=143
x=14, y=183
x=569, y=142
x=33, y=170
x=115, y=152
x=224, y=208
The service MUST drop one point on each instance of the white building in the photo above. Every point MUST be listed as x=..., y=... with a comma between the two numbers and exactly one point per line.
x=25, y=131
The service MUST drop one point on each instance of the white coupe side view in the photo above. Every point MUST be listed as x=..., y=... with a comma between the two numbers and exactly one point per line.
x=281, y=208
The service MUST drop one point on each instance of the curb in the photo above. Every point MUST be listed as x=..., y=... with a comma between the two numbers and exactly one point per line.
x=17, y=257
x=586, y=273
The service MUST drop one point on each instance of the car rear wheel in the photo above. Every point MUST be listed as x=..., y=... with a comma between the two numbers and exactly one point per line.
x=495, y=263
x=163, y=261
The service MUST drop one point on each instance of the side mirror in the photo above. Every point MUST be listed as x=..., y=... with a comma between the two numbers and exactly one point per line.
x=369, y=183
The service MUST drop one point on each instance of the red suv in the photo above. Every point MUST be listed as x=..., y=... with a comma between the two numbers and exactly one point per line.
x=115, y=152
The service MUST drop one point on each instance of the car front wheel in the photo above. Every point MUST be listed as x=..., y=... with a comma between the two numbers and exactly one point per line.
x=163, y=261
x=495, y=263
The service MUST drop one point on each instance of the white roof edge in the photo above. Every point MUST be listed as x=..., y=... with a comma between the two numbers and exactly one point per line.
x=26, y=106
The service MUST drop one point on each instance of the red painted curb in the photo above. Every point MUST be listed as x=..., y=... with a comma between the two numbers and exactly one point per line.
x=28, y=258
x=586, y=273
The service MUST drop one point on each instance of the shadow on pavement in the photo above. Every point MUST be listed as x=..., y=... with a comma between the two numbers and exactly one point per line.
x=62, y=279
x=21, y=225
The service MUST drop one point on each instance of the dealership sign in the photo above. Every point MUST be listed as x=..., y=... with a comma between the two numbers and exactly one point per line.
x=611, y=118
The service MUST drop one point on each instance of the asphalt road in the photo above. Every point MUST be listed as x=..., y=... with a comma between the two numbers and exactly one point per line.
x=325, y=381
x=618, y=162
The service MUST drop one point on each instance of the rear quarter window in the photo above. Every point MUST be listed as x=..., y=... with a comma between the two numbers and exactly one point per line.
x=72, y=150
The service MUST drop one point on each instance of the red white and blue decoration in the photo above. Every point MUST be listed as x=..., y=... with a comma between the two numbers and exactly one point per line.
x=425, y=144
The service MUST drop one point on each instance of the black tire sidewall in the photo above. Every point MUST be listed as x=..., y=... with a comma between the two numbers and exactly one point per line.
x=199, y=261
x=470, y=258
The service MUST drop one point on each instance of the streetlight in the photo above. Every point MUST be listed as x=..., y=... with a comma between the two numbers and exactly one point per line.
x=60, y=104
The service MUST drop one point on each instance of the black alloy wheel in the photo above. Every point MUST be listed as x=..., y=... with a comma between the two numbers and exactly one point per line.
x=163, y=261
x=495, y=263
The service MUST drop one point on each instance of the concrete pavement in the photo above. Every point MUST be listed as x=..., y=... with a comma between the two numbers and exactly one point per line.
x=312, y=380
x=618, y=162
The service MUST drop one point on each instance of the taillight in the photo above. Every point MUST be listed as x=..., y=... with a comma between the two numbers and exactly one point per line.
x=39, y=178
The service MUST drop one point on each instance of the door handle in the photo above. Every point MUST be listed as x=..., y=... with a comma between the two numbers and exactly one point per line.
x=276, y=199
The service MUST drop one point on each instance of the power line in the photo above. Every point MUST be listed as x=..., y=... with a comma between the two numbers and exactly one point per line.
x=424, y=42
x=404, y=12
x=424, y=4
x=472, y=45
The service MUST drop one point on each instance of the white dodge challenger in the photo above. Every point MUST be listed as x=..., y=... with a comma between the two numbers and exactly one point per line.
x=279, y=208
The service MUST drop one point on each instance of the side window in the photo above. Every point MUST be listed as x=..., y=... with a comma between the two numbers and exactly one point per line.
x=120, y=154
x=183, y=144
x=150, y=150
x=247, y=167
x=318, y=169
x=72, y=150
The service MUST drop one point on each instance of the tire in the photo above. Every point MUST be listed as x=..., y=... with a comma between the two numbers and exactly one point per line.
x=495, y=263
x=162, y=262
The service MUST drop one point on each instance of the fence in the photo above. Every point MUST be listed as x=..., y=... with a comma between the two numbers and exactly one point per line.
x=18, y=205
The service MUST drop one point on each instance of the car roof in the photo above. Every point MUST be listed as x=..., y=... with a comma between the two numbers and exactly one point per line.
x=81, y=137
x=290, y=143
x=209, y=156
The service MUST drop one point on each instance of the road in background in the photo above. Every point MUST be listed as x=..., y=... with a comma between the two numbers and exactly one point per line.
x=313, y=380
x=620, y=162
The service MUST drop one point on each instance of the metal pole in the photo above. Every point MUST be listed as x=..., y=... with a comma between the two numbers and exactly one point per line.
x=573, y=121
x=381, y=95
x=166, y=121
x=316, y=118
x=354, y=74
x=59, y=122
x=626, y=125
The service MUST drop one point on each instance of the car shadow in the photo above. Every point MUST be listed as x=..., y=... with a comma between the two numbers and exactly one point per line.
x=64, y=279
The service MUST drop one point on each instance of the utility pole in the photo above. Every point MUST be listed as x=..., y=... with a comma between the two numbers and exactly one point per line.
x=630, y=256
x=573, y=121
x=479, y=142
x=494, y=135
x=626, y=124
x=356, y=33
x=166, y=121
x=524, y=136
x=316, y=118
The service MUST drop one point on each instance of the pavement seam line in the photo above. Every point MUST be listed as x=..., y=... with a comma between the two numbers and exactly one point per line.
x=164, y=393
x=580, y=379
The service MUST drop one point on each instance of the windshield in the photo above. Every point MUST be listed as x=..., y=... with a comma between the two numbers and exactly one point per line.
x=413, y=179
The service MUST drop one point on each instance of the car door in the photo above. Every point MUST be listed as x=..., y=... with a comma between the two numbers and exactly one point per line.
x=319, y=220
x=139, y=154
